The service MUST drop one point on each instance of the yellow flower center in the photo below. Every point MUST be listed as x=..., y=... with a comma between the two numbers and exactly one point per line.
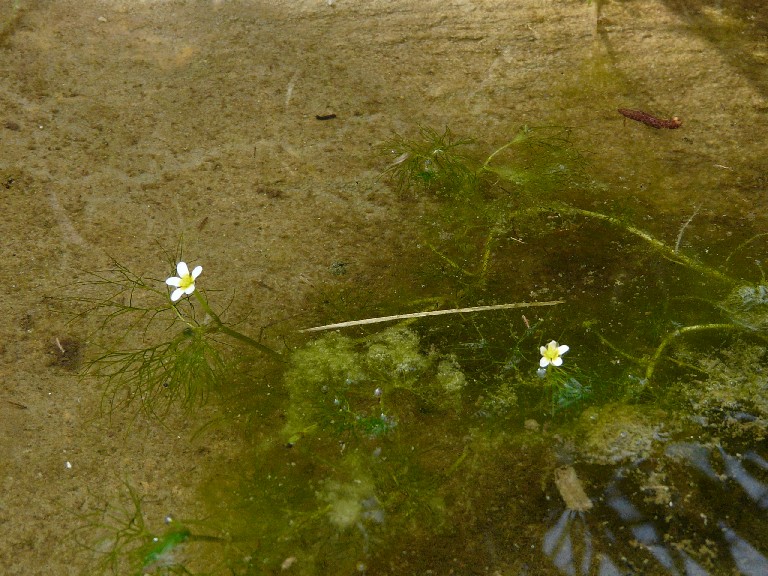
x=186, y=281
x=551, y=352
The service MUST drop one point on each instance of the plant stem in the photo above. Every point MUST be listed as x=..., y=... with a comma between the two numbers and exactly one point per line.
x=234, y=333
x=519, y=137
x=679, y=332
x=666, y=251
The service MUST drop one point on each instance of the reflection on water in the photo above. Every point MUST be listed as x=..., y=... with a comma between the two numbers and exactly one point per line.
x=748, y=559
x=559, y=543
x=574, y=550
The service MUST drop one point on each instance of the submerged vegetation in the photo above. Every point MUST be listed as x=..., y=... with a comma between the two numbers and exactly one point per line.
x=121, y=540
x=187, y=364
x=556, y=337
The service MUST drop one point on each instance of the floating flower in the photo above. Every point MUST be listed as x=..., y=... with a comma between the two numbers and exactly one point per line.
x=184, y=282
x=551, y=354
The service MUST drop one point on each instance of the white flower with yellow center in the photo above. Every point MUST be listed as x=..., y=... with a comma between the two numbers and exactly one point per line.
x=184, y=282
x=551, y=354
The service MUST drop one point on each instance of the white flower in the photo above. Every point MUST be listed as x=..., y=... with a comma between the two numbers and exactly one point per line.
x=184, y=282
x=551, y=354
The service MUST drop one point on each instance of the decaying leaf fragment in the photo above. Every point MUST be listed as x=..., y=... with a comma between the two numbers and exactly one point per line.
x=571, y=490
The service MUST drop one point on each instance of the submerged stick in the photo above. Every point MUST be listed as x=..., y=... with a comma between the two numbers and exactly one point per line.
x=571, y=490
x=432, y=313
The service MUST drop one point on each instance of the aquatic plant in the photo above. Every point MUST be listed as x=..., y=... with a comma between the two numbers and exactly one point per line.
x=344, y=384
x=433, y=162
x=374, y=434
x=120, y=540
x=534, y=172
x=159, y=349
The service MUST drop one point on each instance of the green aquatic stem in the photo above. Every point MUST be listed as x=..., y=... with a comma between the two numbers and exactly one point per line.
x=607, y=343
x=221, y=327
x=484, y=263
x=450, y=262
x=161, y=547
x=680, y=332
x=121, y=542
x=681, y=232
x=458, y=462
x=666, y=251
x=115, y=536
x=486, y=260
x=747, y=242
x=516, y=140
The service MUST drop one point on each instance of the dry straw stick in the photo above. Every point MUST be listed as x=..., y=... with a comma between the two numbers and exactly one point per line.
x=432, y=313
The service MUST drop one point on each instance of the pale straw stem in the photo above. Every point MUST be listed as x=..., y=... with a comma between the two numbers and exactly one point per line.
x=432, y=313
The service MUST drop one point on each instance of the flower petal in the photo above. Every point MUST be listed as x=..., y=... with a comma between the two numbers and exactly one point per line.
x=542, y=350
x=182, y=269
x=176, y=294
x=189, y=289
x=557, y=361
x=563, y=349
x=544, y=362
x=173, y=281
x=196, y=271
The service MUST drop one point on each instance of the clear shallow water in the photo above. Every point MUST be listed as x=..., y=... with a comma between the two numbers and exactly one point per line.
x=440, y=444
x=432, y=446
